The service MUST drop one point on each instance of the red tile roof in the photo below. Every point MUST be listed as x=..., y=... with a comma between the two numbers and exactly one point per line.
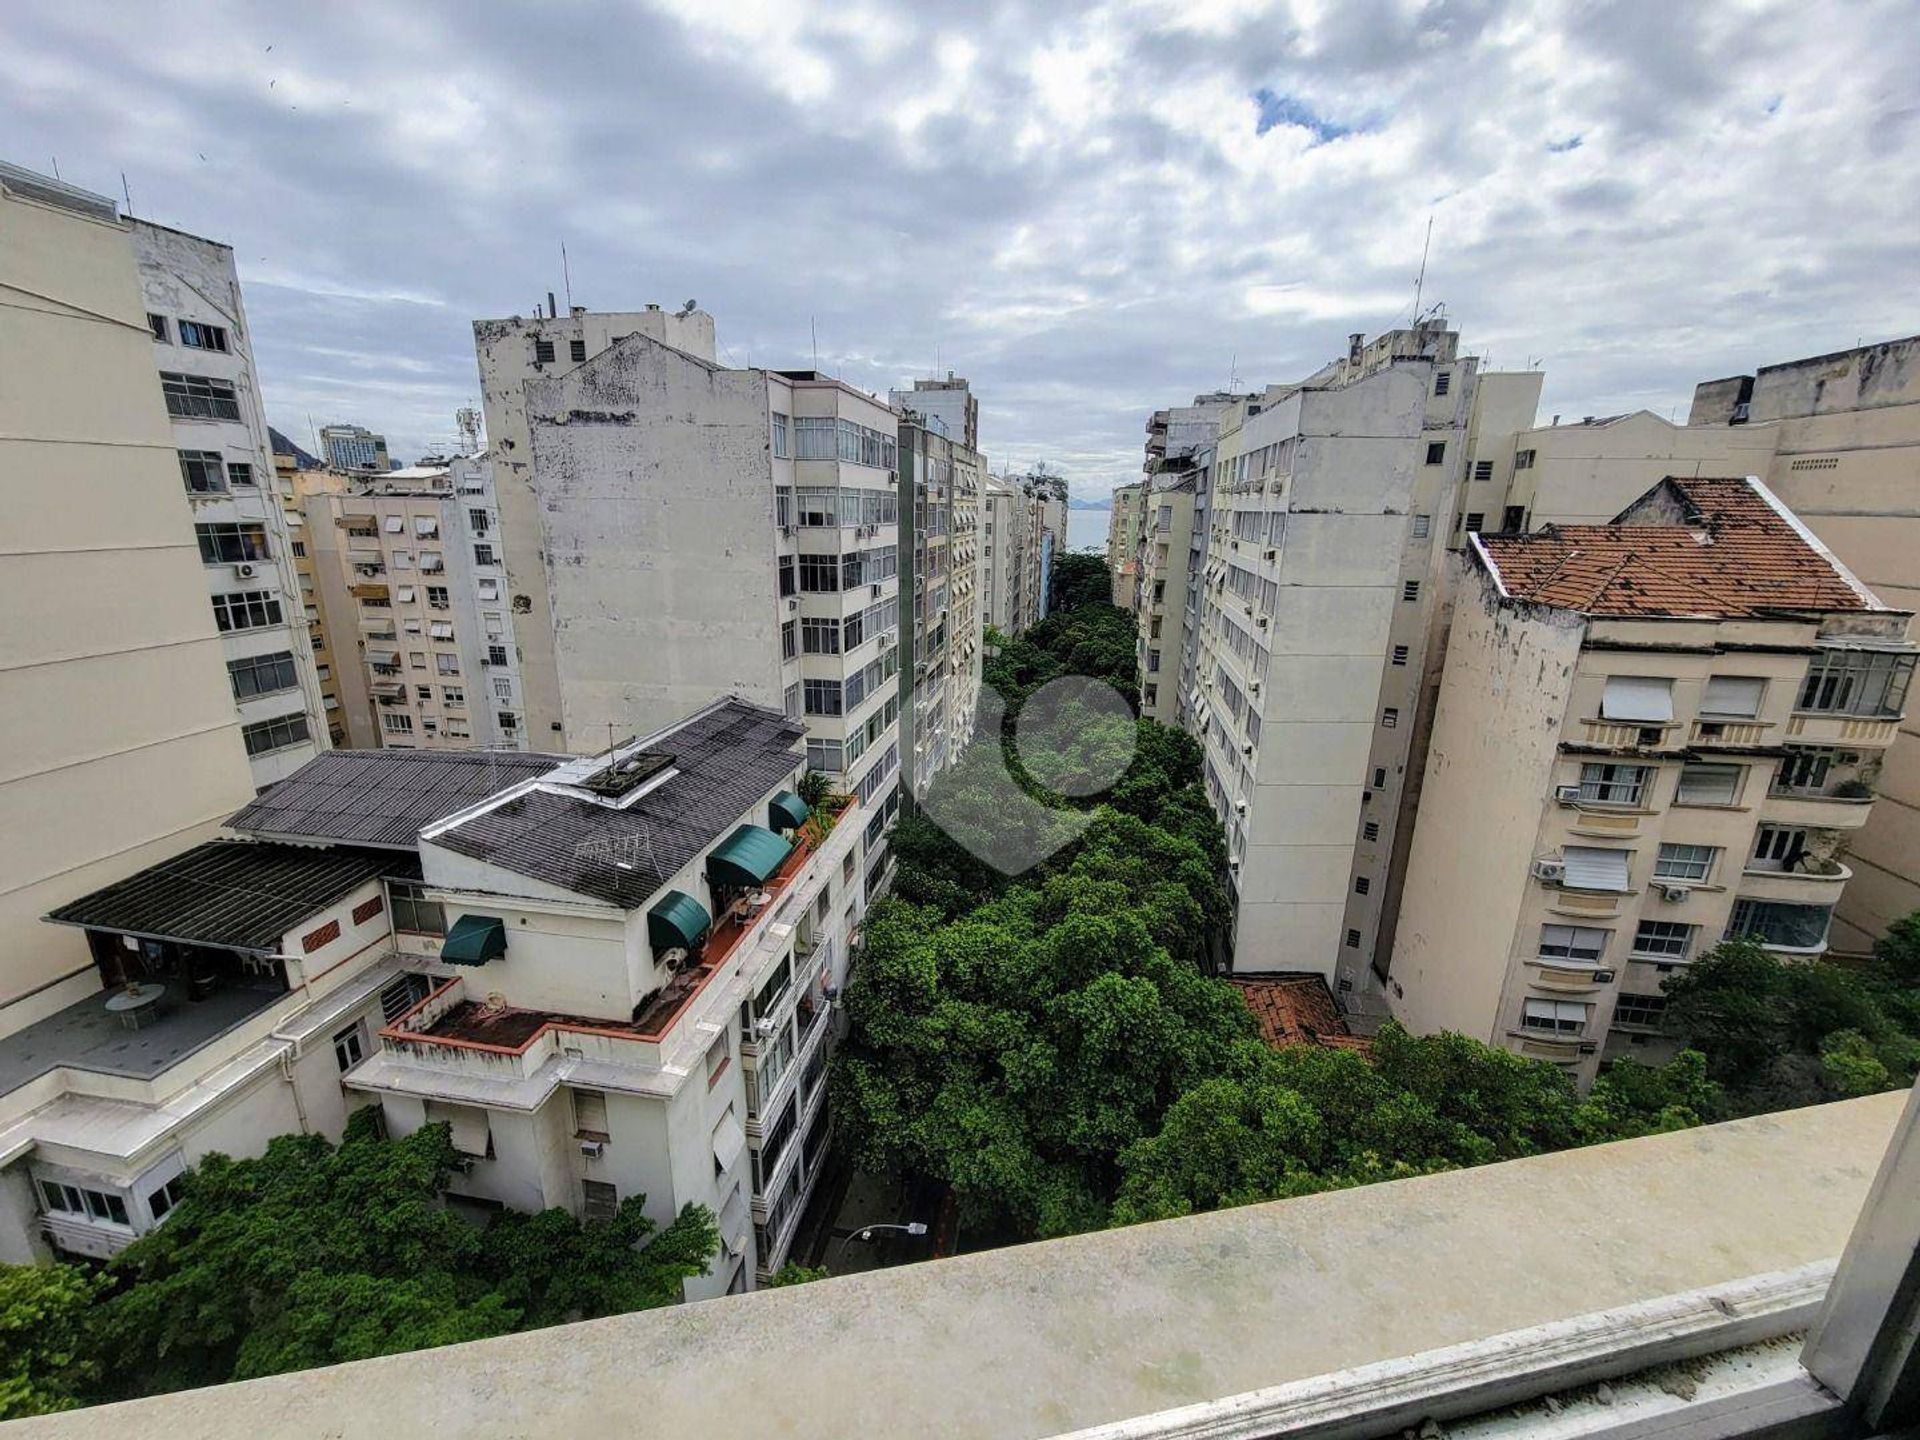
x=1689, y=547
x=1294, y=1010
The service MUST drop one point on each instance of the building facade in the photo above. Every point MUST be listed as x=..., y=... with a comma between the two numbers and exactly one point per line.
x=1651, y=734
x=948, y=402
x=1126, y=522
x=204, y=355
x=940, y=563
x=1166, y=543
x=114, y=674
x=292, y=485
x=412, y=600
x=353, y=447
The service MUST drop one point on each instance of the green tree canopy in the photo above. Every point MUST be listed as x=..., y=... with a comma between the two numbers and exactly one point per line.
x=46, y=1361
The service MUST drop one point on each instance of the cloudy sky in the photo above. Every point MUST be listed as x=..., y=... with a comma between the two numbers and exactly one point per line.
x=1090, y=211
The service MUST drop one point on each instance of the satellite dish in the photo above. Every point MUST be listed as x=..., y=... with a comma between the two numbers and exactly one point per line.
x=688, y=308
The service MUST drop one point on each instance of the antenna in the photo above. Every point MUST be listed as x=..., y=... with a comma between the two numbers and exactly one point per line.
x=56, y=167
x=566, y=275
x=814, y=331
x=126, y=191
x=1420, y=283
x=1233, y=371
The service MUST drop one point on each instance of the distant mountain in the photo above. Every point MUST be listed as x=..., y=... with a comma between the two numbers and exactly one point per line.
x=283, y=446
x=1089, y=504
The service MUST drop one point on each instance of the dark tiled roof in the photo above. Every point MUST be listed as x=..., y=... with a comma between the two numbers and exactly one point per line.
x=726, y=759
x=242, y=894
x=384, y=797
x=1294, y=1010
x=1725, y=552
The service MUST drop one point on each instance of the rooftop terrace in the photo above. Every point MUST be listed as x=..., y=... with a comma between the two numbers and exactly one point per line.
x=87, y=1036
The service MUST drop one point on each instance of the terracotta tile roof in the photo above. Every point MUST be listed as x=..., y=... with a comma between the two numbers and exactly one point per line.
x=1295, y=1010
x=1689, y=547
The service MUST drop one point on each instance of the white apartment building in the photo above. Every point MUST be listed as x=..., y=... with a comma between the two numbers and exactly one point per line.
x=950, y=402
x=353, y=447
x=204, y=355
x=118, y=711
x=941, y=562
x=412, y=597
x=1652, y=734
x=1000, y=513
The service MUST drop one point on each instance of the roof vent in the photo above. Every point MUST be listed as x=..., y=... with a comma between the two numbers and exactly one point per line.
x=627, y=773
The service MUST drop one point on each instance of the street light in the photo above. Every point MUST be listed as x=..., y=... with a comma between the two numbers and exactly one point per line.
x=867, y=1232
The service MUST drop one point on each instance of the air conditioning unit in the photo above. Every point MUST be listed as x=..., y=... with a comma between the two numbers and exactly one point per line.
x=1273, y=554
x=1603, y=977
x=593, y=1149
x=765, y=1027
x=1261, y=622
x=1589, y=1047
x=1566, y=794
x=793, y=604
x=246, y=572
x=1674, y=892
x=874, y=593
x=1239, y=807
x=1549, y=872
x=1247, y=749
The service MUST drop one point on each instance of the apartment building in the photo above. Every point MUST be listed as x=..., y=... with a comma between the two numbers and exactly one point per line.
x=204, y=355
x=1330, y=501
x=1651, y=734
x=291, y=487
x=940, y=563
x=1000, y=514
x=511, y=353
x=1166, y=542
x=412, y=601
x=1042, y=537
x=950, y=402
x=353, y=447
x=113, y=677
x=1126, y=521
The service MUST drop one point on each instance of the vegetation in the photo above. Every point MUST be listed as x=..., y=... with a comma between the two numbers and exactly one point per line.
x=792, y=1274
x=314, y=1254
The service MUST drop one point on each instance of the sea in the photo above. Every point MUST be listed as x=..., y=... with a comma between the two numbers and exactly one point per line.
x=1087, y=529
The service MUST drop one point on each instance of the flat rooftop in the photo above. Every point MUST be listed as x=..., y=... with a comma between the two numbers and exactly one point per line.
x=87, y=1036
x=384, y=797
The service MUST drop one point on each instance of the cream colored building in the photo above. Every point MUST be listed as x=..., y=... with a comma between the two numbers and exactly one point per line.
x=122, y=736
x=292, y=486
x=413, y=606
x=1651, y=734
x=941, y=562
x=1000, y=514
x=1126, y=520
x=1161, y=607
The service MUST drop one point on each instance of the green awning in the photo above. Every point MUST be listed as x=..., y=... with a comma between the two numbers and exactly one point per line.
x=787, y=811
x=746, y=857
x=677, y=922
x=474, y=940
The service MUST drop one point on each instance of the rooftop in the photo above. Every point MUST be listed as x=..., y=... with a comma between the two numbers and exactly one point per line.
x=1692, y=548
x=383, y=797
x=1295, y=1010
x=233, y=894
x=622, y=850
x=87, y=1036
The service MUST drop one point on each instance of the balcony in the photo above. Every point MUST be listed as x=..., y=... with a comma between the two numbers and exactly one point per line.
x=1813, y=728
x=1488, y=1301
x=1738, y=734
x=1816, y=811
x=1795, y=887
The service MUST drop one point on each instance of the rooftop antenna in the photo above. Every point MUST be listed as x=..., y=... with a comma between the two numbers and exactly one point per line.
x=126, y=191
x=56, y=167
x=566, y=276
x=814, y=331
x=1420, y=283
x=1233, y=371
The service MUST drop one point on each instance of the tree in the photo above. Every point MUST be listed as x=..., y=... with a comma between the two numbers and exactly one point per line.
x=792, y=1274
x=314, y=1254
x=46, y=1362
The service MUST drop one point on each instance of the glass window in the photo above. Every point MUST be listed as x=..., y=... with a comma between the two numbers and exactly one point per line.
x=779, y=437
x=413, y=912
x=1804, y=771
x=1602, y=784
x=199, y=397
x=1857, y=682
x=1683, y=862
x=1778, y=847
x=1772, y=922
x=262, y=675
x=1663, y=940
x=1639, y=1010
x=282, y=732
x=1562, y=1017
x=203, y=471
x=1582, y=944
x=229, y=544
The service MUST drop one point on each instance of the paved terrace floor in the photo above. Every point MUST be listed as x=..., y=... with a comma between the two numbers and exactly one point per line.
x=1036, y=1340
x=86, y=1036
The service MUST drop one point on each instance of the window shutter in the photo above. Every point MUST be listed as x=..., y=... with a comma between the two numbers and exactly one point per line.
x=1638, y=698
x=728, y=1141
x=1591, y=868
x=1732, y=695
x=590, y=1112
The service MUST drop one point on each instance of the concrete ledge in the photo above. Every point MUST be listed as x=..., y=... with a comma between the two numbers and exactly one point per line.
x=1097, y=1329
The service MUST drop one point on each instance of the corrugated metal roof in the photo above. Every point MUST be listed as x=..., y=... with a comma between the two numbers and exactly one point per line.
x=725, y=760
x=384, y=797
x=240, y=894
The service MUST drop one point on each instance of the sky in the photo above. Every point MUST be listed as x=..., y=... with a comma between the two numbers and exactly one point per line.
x=1091, y=211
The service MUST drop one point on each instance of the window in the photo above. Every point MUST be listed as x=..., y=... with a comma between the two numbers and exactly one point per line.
x=203, y=472
x=197, y=397
x=1644, y=1010
x=446, y=664
x=779, y=436
x=477, y=521
x=599, y=1201
x=1371, y=830
x=1523, y=459
x=1581, y=944
x=1389, y=717
x=822, y=697
x=262, y=675
x=77, y=1200
x=395, y=524
x=158, y=325
x=1857, y=682
x=229, y=544
x=1642, y=699
x=576, y=350
x=164, y=1198
x=819, y=573
x=413, y=912
x=1788, y=927
x=792, y=699
x=814, y=437
x=1737, y=695
x=1153, y=662
x=820, y=637
x=1410, y=590
x=437, y=598
x=1804, y=771
x=590, y=1115
x=1561, y=1017
x=1778, y=847
x=1422, y=526
x=508, y=721
x=396, y=724
x=542, y=351
x=825, y=756
x=1709, y=784
x=1361, y=884
x=1683, y=862
x=1513, y=519
x=196, y=336
x=483, y=555
x=349, y=1047
x=245, y=610
x=786, y=575
x=1379, y=777
x=1483, y=470
x=299, y=549
x=282, y=732
x=502, y=687
x=1662, y=940
x=239, y=473
x=1442, y=382
x=1603, y=784
x=496, y=654
x=1399, y=655
x=1436, y=452
x=1353, y=939
x=1589, y=867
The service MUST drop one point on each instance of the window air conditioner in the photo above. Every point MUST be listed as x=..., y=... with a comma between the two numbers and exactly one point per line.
x=1566, y=794
x=1589, y=1047
x=1603, y=977
x=593, y=1149
x=1549, y=872
x=1674, y=892
x=246, y=572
